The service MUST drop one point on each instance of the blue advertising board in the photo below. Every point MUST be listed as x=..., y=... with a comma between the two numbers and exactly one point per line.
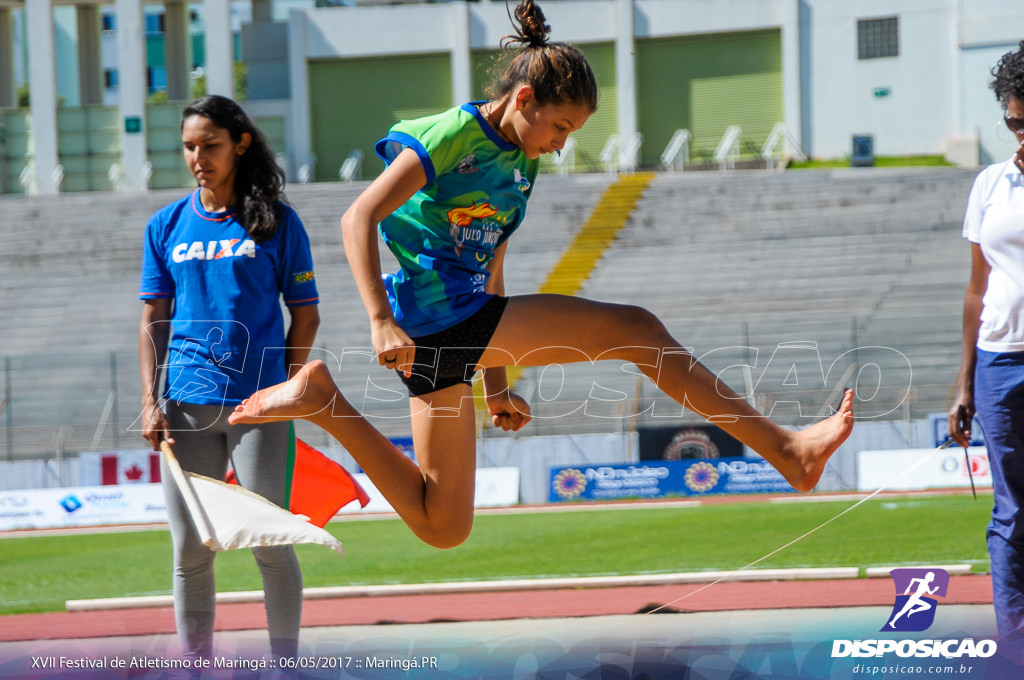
x=665, y=478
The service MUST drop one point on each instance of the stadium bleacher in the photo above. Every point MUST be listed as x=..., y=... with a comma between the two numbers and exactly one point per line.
x=842, y=259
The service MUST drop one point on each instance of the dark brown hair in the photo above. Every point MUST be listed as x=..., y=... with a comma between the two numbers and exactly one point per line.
x=259, y=180
x=1009, y=76
x=557, y=72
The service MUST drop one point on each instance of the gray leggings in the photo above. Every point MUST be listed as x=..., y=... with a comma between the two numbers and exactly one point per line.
x=204, y=442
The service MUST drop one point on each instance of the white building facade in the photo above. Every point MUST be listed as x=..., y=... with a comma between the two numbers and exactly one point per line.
x=913, y=75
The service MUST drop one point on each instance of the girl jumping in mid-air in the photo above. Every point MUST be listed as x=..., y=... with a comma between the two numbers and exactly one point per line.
x=455, y=189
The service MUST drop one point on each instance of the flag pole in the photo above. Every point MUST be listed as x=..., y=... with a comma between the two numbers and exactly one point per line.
x=188, y=494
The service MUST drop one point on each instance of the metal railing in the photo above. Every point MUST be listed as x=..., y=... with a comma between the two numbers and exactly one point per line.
x=610, y=154
x=629, y=157
x=728, y=149
x=352, y=169
x=27, y=178
x=116, y=177
x=304, y=173
x=780, y=147
x=618, y=156
x=676, y=155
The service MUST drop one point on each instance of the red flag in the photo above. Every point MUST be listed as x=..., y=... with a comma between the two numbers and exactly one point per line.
x=226, y=517
x=320, y=486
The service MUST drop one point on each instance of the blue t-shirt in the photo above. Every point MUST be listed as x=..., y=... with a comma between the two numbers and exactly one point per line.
x=228, y=334
x=445, y=235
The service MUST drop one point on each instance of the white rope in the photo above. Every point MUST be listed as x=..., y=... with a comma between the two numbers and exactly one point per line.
x=946, y=444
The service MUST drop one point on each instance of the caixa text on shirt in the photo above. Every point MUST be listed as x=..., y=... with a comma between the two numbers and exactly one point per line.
x=213, y=250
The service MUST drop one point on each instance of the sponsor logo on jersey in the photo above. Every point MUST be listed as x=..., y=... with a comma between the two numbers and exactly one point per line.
x=522, y=183
x=461, y=219
x=466, y=165
x=213, y=250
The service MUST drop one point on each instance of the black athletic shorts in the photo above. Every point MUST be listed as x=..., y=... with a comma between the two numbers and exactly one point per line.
x=450, y=356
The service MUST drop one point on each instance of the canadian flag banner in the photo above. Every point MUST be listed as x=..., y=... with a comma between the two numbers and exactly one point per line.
x=139, y=466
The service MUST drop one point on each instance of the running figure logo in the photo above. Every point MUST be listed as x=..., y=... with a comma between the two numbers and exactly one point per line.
x=914, y=610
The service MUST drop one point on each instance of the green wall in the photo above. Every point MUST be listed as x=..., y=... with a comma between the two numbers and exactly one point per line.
x=89, y=142
x=163, y=146
x=705, y=84
x=88, y=139
x=390, y=89
x=353, y=103
x=591, y=139
x=702, y=83
x=163, y=143
x=15, y=130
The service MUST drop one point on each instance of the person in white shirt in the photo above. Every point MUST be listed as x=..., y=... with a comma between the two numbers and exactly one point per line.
x=991, y=376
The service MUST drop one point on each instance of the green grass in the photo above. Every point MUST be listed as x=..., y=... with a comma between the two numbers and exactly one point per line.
x=880, y=162
x=40, y=573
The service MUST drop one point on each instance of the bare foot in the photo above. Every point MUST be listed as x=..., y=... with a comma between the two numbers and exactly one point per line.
x=309, y=392
x=812, y=447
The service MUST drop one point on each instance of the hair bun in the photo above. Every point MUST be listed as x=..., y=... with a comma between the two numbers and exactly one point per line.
x=533, y=27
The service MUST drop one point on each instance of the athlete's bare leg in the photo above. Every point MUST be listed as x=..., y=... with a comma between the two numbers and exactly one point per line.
x=550, y=329
x=434, y=498
x=310, y=395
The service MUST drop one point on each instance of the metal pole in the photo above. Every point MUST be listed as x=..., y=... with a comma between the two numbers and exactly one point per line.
x=855, y=340
x=9, y=408
x=113, y=391
x=748, y=367
x=62, y=437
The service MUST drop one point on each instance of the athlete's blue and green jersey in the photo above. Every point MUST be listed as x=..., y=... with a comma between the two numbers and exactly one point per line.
x=446, y=234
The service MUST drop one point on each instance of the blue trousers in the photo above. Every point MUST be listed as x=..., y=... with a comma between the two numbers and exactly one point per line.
x=999, y=401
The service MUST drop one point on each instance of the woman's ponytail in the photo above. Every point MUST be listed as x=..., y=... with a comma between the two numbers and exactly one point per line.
x=557, y=72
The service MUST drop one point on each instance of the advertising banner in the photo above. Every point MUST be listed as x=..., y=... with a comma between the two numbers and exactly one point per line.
x=495, y=487
x=935, y=470
x=666, y=479
x=82, y=506
x=689, y=442
x=144, y=503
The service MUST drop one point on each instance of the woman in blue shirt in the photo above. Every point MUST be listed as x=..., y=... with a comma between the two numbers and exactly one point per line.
x=216, y=266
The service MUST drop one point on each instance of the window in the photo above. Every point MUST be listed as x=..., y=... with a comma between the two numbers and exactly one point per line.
x=156, y=78
x=108, y=22
x=877, y=38
x=110, y=78
x=154, y=24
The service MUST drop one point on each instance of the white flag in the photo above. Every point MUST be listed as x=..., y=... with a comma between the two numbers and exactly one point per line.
x=228, y=516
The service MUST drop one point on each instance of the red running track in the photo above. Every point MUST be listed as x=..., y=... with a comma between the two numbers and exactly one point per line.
x=973, y=589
